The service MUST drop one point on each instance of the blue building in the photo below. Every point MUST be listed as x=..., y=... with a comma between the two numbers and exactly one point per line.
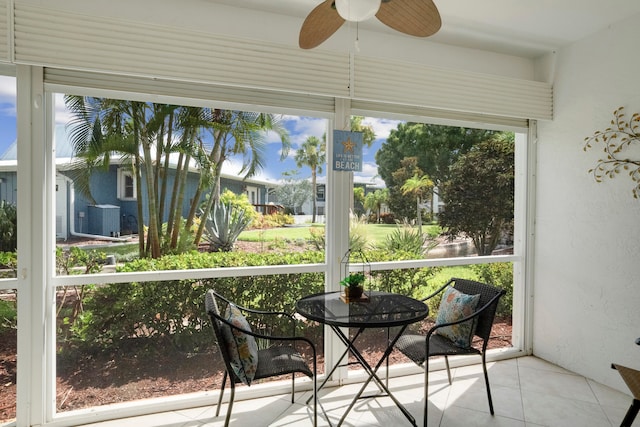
x=115, y=211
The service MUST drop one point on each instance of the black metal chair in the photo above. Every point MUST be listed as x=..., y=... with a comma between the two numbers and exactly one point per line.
x=419, y=348
x=272, y=360
x=631, y=378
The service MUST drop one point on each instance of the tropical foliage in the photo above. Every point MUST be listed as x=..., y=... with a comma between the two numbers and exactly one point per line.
x=312, y=153
x=293, y=193
x=409, y=240
x=374, y=201
x=479, y=195
x=145, y=137
x=8, y=227
x=223, y=225
x=419, y=187
x=171, y=311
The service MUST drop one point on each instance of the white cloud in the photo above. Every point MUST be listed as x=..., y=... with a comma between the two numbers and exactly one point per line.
x=381, y=127
x=300, y=128
x=233, y=167
x=8, y=93
x=63, y=116
x=369, y=174
x=8, y=96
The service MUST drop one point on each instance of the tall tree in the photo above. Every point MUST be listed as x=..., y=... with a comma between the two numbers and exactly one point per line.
x=237, y=133
x=293, y=193
x=418, y=186
x=312, y=153
x=436, y=148
x=404, y=207
x=374, y=201
x=105, y=127
x=146, y=135
x=358, y=200
x=368, y=135
x=479, y=196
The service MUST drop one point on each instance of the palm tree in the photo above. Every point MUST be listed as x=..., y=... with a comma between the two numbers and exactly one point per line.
x=234, y=133
x=374, y=201
x=146, y=134
x=137, y=133
x=312, y=153
x=417, y=186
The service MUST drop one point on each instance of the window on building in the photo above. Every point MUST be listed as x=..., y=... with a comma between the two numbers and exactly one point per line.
x=126, y=185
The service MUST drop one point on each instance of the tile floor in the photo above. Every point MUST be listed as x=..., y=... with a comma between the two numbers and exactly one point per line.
x=526, y=392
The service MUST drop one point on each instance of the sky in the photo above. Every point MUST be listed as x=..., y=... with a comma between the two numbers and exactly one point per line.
x=299, y=128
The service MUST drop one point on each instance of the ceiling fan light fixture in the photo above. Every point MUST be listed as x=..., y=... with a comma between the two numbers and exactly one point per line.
x=357, y=10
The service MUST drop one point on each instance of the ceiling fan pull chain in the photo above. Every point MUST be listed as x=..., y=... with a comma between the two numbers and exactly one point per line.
x=357, y=42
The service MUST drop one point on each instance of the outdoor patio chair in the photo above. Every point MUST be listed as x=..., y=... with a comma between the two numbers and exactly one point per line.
x=631, y=378
x=248, y=355
x=467, y=309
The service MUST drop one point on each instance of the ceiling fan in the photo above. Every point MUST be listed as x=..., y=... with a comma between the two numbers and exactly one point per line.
x=414, y=17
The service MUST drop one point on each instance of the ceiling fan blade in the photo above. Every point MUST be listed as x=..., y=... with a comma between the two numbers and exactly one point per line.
x=319, y=25
x=414, y=17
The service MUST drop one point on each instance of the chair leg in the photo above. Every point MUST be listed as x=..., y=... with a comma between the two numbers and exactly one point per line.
x=446, y=362
x=426, y=392
x=224, y=383
x=486, y=380
x=315, y=393
x=631, y=414
x=233, y=395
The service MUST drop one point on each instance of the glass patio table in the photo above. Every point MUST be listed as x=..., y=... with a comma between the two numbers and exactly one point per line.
x=375, y=310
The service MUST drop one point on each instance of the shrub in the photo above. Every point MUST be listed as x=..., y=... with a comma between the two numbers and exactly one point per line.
x=500, y=275
x=316, y=237
x=8, y=311
x=240, y=202
x=70, y=262
x=8, y=227
x=8, y=264
x=172, y=311
x=413, y=281
x=223, y=226
x=388, y=218
x=281, y=219
x=273, y=220
x=357, y=234
x=407, y=239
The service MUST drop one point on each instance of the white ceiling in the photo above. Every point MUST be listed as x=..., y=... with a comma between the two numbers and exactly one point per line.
x=517, y=27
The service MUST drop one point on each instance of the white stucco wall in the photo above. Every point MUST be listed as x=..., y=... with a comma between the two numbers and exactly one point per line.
x=587, y=251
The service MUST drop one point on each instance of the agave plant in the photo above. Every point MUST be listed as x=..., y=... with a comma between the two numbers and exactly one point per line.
x=223, y=226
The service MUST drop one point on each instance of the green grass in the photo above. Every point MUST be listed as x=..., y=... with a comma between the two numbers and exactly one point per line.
x=375, y=233
x=121, y=249
x=280, y=233
x=118, y=250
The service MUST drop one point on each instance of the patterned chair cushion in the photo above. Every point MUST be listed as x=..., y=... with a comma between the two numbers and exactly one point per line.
x=454, y=306
x=243, y=348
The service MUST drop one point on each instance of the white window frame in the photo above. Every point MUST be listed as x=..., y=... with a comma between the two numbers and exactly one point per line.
x=253, y=194
x=123, y=174
x=36, y=397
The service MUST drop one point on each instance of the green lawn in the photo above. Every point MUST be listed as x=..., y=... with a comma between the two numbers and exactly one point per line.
x=291, y=233
x=375, y=232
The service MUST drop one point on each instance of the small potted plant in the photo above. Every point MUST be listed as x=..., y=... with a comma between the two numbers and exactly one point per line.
x=354, y=285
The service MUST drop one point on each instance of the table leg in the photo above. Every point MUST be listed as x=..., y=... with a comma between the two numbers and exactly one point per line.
x=373, y=374
x=337, y=365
